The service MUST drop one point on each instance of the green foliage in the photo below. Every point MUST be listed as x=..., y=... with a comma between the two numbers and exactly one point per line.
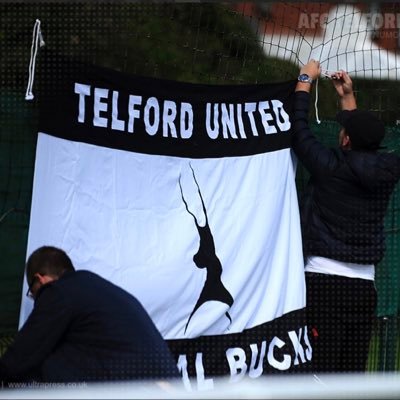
x=205, y=43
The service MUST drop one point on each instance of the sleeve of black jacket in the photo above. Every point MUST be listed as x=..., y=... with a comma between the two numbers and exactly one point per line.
x=317, y=158
x=37, y=338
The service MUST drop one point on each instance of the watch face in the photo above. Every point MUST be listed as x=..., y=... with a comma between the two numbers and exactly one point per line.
x=304, y=78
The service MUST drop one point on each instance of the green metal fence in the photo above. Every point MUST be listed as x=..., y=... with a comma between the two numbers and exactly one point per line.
x=384, y=352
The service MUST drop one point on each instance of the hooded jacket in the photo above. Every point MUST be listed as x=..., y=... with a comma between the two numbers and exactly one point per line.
x=345, y=201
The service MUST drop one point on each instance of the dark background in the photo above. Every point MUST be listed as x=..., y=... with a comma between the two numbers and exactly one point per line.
x=193, y=42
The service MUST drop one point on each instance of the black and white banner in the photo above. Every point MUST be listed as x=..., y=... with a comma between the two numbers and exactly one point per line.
x=185, y=196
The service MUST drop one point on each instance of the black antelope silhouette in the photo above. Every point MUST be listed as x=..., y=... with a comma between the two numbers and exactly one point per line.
x=206, y=257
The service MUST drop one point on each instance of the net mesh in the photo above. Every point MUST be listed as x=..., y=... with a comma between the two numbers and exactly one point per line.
x=205, y=43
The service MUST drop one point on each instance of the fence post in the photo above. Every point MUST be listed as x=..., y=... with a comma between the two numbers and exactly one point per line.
x=388, y=335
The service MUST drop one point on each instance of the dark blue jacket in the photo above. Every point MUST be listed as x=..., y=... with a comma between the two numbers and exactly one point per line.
x=84, y=328
x=344, y=204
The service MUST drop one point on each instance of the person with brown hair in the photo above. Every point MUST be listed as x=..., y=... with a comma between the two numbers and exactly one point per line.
x=83, y=328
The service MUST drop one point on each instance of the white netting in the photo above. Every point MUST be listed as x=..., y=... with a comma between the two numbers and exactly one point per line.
x=364, y=41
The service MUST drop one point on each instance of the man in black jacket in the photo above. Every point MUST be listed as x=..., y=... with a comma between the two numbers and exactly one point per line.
x=342, y=213
x=83, y=328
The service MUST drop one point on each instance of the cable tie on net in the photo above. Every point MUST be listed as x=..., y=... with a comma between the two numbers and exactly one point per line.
x=37, y=40
x=316, y=103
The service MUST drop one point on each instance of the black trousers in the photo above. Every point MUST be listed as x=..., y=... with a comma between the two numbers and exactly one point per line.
x=340, y=314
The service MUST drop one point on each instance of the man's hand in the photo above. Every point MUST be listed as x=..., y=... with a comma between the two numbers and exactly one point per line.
x=312, y=69
x=342, y=83
x=344, y=88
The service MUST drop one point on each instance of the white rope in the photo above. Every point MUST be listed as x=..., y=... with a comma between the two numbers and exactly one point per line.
x=316, y=103
x=37, y=40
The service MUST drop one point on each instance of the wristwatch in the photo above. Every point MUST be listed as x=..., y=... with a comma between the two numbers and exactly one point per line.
x=304, y=78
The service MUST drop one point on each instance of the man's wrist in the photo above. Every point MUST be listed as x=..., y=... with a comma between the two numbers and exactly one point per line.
x=305, y=78
x=348, y=102
x=347, y=95
x=303, y=87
